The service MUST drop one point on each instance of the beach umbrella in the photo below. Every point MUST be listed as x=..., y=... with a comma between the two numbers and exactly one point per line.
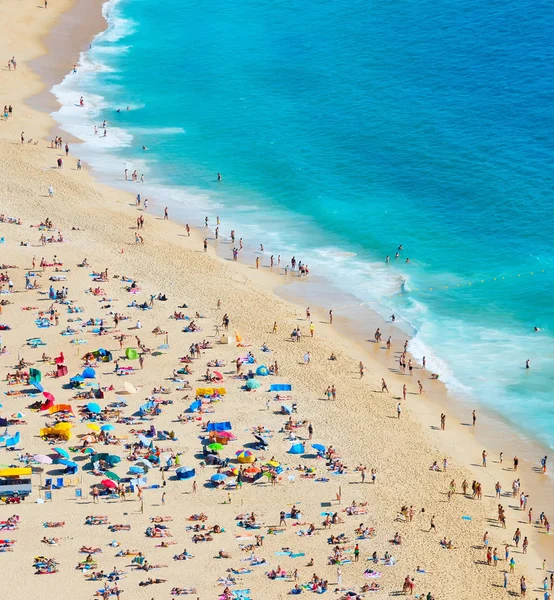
x=216, y=446
x=218, y=375
x=42, y=459
x=319, y=448
x=111, y=475
x=76, y=379
x=62, y=452
x=185, y=473
x=135, y=470
x=131, y=389
x=94, y=426
x=88, y=450
x=297, y=449
x=107, y=427
x=111, y=485
x=93, y=407
x=245, y=456
x=49, y=396
x=18, y=415
x=218, y=477
x=273, y=463
x=253, y=384
x=145, y=462
x=112, y=459
x=262, y=370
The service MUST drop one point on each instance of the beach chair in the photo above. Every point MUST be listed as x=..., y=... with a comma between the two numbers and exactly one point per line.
x=48, y=483
x=78, y=493
x=48, y=495
x=59, y=482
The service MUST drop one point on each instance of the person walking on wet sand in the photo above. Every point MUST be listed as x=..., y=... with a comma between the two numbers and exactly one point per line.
x=330, y=317
x=384, y=387
x=399, y=410
x=474, y=418
x=404, y=391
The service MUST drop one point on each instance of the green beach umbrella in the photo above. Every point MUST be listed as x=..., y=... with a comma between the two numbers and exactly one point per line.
x=215, y=446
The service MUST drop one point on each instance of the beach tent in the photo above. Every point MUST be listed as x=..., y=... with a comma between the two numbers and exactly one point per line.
x=13, y=441
x=36, y=385
x=35, y=375
x=60, y=430
x=223, y=426
x=16, y=471
x=253, y=384
x=72, y=467
x=60, y=408
x=262, y=370
x=185, y=473
x=280, y=387
x=76, y=381
x=88, y=373
x=210, y=391
x=297, y=449
x=195, y=406
x=131, y=354
x=286, y=410
x=61, y=371
x=102, y=355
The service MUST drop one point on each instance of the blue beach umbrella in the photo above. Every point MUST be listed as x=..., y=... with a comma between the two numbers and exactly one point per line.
x=136, y=470
x=253, y=384
x=62, y=452
x=107, y=427
x=319, y=448
x=218, y=477
x=94, y=408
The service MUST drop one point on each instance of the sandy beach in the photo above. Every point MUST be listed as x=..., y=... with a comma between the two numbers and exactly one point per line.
x=360, y=430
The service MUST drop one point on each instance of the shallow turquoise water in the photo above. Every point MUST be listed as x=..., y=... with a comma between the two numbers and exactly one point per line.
x=343, y=129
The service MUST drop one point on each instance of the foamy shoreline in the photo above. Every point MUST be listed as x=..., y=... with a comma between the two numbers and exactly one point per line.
x=107, y=219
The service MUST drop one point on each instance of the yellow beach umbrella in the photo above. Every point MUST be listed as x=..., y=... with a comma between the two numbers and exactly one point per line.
x=94, y=426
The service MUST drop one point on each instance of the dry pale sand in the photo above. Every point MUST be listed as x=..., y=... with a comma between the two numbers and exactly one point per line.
x=361, y=424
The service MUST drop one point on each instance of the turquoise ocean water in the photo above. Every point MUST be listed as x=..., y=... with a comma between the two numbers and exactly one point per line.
x=342, y=130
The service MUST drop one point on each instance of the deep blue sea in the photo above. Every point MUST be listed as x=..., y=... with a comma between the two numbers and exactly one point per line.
x=343, y=129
